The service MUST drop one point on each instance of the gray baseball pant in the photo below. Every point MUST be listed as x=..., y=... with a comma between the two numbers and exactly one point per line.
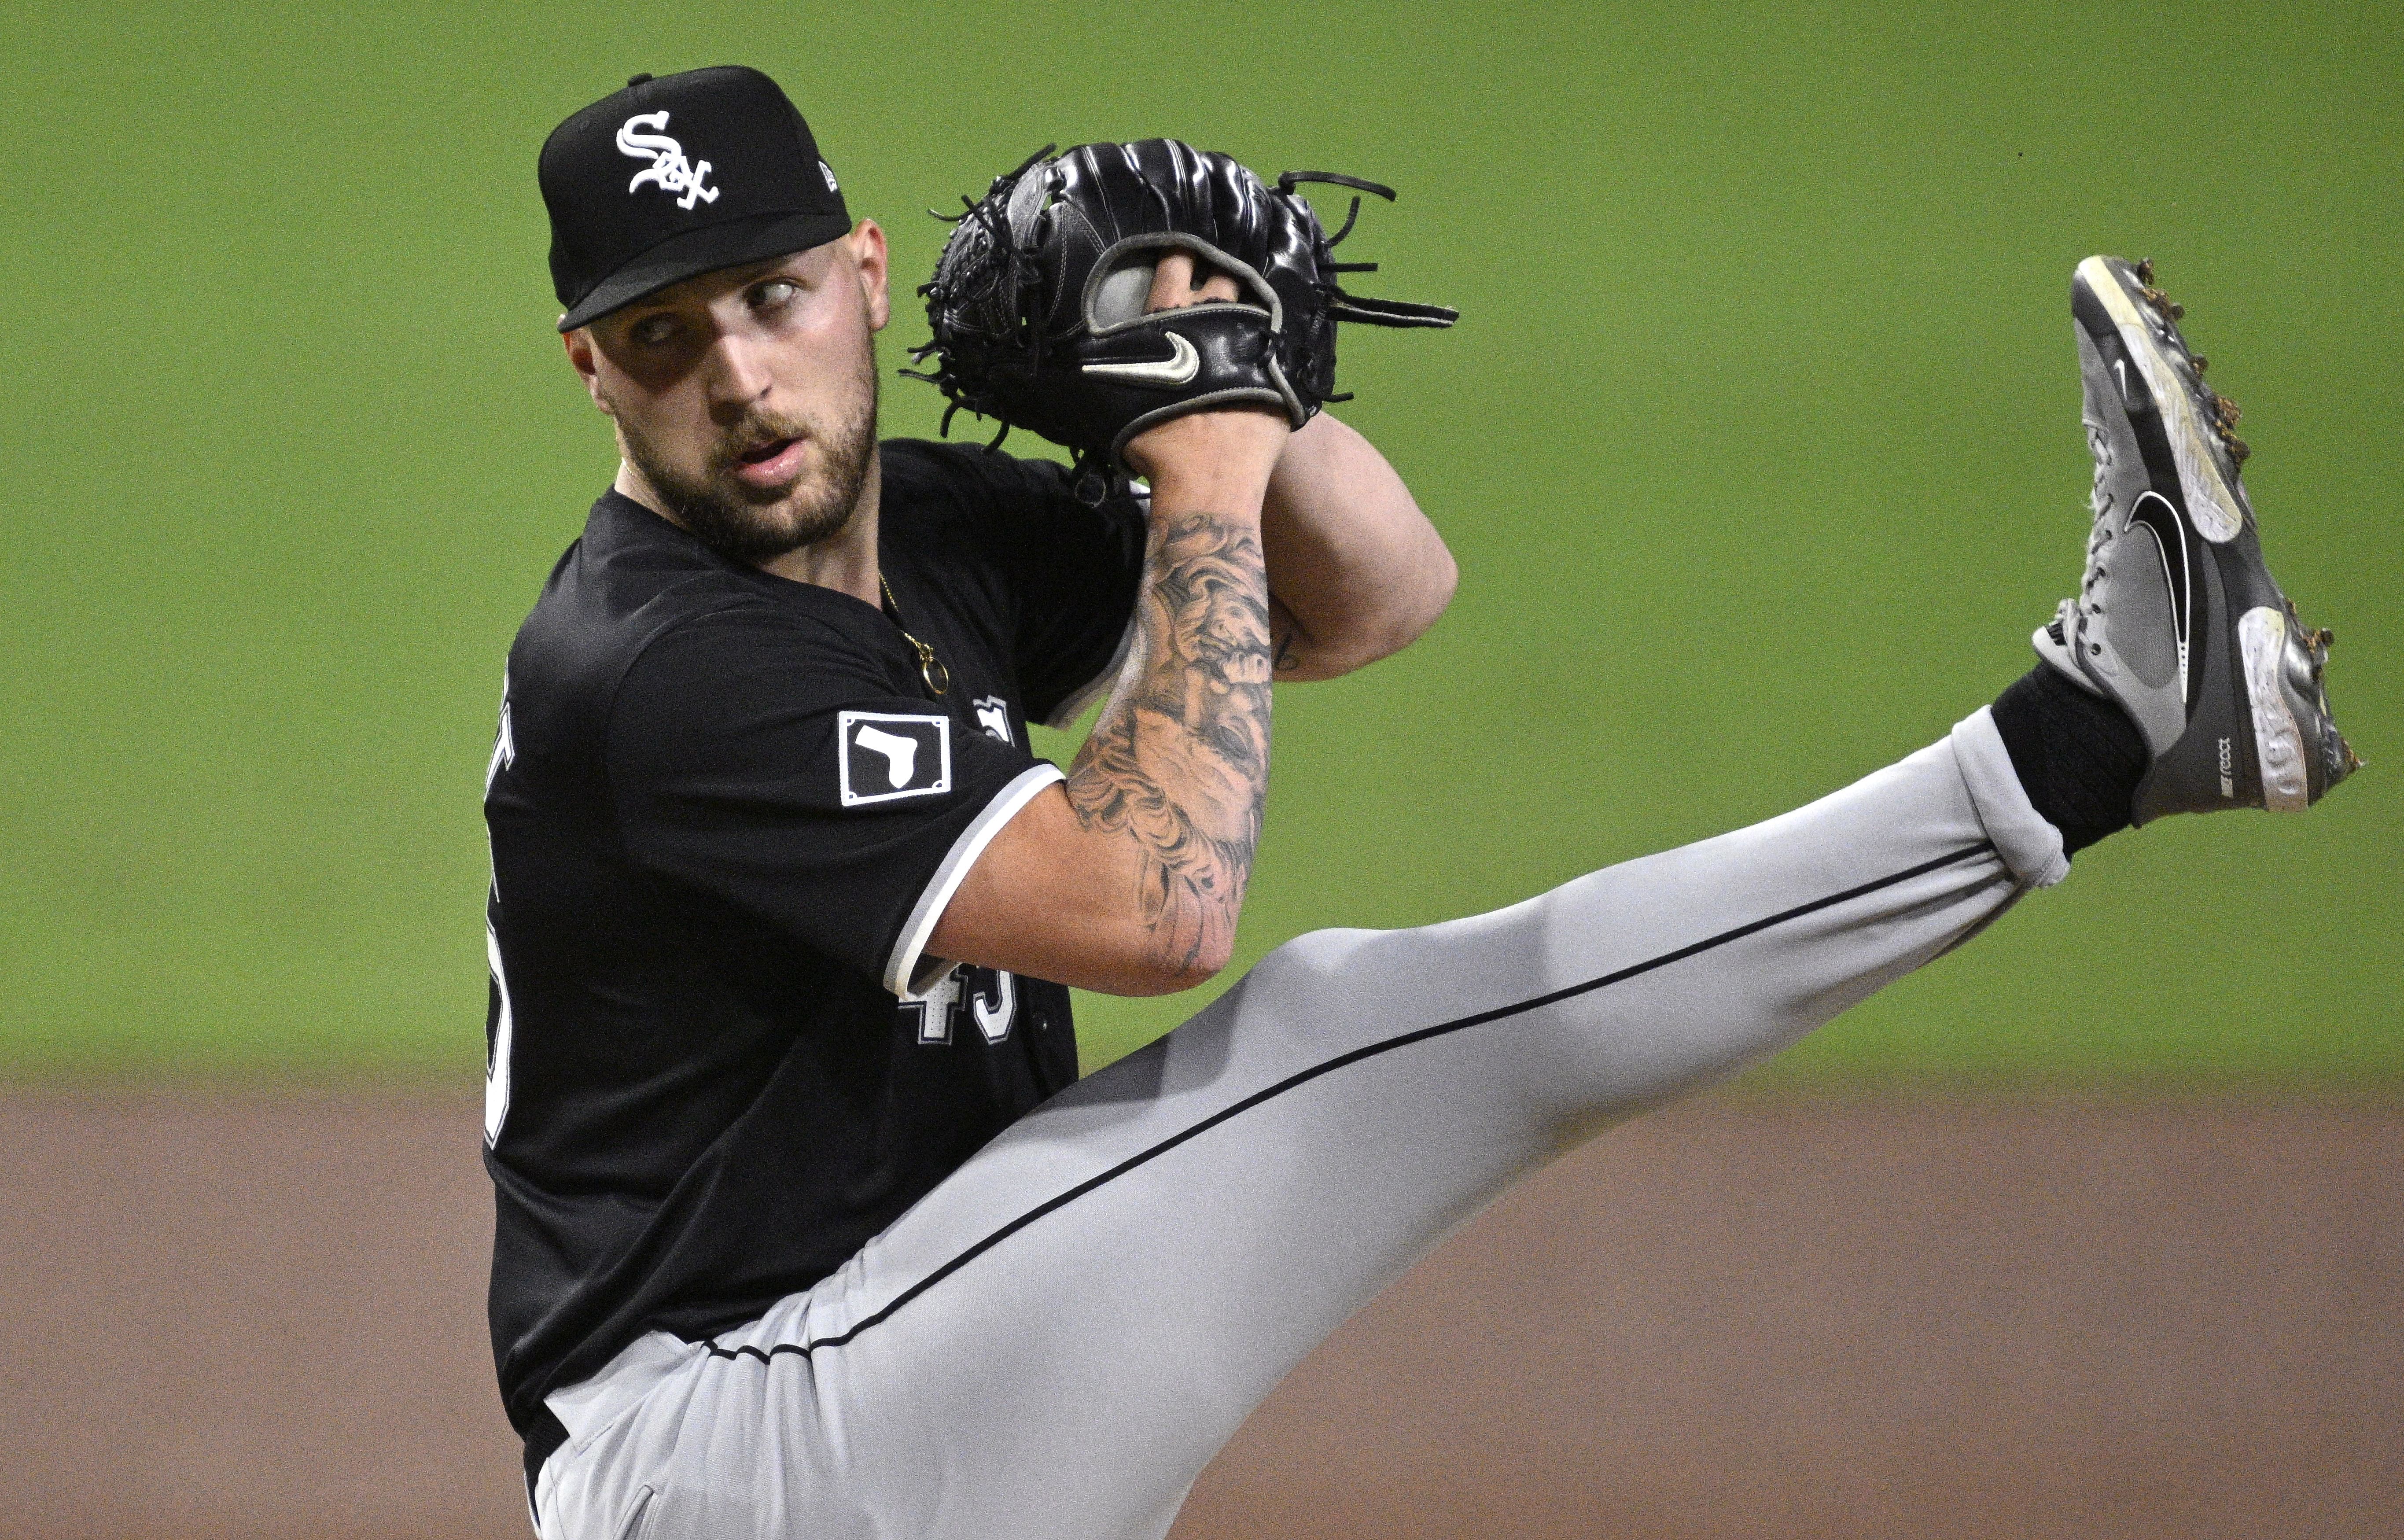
x=1052, y=1343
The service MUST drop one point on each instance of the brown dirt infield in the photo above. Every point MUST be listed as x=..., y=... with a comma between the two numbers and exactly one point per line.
x=260, y=1315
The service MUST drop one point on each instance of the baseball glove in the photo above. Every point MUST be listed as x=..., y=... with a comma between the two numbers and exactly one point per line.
x=1037, y=306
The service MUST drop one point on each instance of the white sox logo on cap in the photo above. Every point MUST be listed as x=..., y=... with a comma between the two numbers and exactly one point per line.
x=669, y=170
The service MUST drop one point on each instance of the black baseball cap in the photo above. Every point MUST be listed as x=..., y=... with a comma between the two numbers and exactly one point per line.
x=678, y=175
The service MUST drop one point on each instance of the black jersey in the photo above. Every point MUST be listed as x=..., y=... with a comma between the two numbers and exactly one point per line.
x=726, y=810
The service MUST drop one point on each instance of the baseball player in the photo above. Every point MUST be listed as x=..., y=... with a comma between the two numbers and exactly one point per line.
x=804, y=1225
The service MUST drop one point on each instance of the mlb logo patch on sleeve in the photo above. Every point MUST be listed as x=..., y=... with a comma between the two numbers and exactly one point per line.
x=887, y=757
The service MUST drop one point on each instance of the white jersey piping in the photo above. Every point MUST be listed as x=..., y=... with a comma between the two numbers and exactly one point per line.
x=906, y=973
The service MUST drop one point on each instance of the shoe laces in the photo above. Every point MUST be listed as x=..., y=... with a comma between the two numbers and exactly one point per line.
x=2098, y=544
x=2102, y=532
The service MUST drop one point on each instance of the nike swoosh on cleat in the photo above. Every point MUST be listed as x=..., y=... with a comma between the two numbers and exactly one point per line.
x=2155, y=512
x=1178, y=368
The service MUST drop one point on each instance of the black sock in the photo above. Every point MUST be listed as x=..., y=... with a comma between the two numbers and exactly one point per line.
x=2078, y=756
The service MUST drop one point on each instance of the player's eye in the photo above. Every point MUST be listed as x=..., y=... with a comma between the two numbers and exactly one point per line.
x=775, y=293
x=651, y=331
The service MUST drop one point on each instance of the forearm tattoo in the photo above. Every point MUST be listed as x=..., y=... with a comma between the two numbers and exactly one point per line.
x=1180, y=758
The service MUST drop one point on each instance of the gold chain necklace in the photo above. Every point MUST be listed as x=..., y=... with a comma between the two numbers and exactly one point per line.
x=931, y=668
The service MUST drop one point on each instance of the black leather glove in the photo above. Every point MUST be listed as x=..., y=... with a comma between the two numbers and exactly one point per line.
x=1037, y=305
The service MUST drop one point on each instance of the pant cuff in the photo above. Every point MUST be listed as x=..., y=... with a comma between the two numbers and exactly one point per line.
x=2030, y=845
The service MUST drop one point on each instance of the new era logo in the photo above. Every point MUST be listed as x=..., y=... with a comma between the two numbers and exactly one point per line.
x=886, y=757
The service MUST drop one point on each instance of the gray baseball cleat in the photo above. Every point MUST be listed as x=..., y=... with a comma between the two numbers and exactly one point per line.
x=2177, y=621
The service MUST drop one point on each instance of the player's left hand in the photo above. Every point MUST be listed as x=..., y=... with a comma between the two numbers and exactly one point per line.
x=1179, y=281
x=1235, y=444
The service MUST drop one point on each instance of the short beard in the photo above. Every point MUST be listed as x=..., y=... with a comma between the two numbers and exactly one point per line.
x=751, y=527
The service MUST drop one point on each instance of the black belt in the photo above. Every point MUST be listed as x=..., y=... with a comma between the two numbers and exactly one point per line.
x=543, y=1441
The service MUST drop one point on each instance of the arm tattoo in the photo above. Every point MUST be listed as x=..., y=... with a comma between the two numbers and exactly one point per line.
x=1178, y=759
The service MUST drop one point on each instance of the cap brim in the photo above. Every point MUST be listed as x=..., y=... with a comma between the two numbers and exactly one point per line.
x=705, y=250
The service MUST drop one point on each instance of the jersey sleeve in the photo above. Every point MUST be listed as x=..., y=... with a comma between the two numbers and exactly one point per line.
x=764, y=762
x=1075, y=567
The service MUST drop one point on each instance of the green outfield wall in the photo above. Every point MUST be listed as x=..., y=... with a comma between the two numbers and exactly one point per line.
x=1759, y=444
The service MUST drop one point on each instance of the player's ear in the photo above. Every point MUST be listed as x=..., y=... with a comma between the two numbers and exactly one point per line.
x=869, y=255
x=581, y=357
